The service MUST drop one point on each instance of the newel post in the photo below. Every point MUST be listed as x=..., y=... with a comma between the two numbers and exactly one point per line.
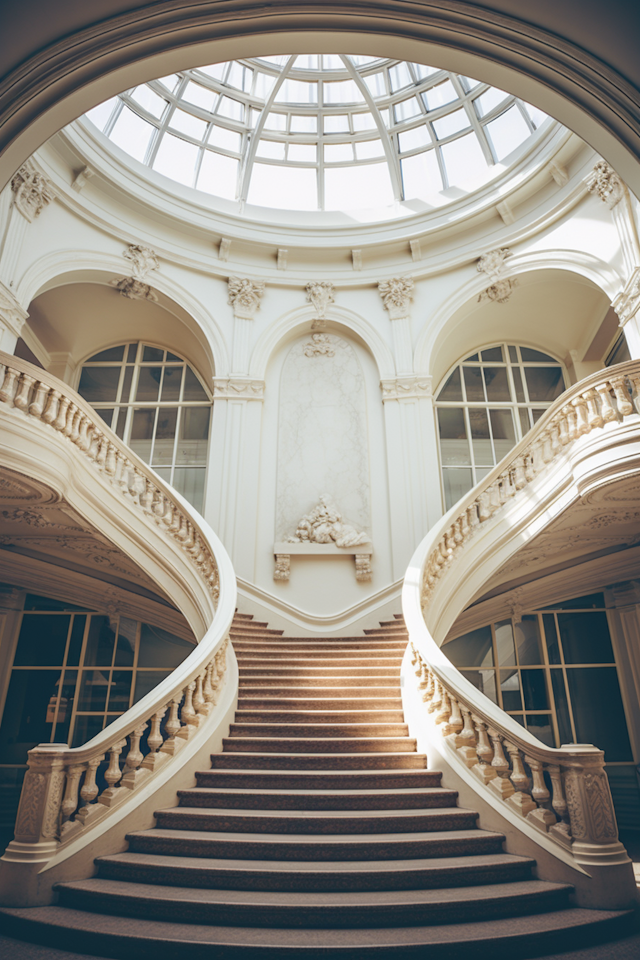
x=593, y=821
x=37, y=824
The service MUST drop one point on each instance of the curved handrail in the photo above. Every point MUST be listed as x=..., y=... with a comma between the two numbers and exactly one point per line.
x=60, y=795
x=510, y=761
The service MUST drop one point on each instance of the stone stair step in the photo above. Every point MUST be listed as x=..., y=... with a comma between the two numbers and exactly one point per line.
x=385, y=760
x=327, y=745
x=292, y=671
x=319, y=849
x=318, y=703
x=315, y=780
x=316, y=821
x=318, y=799
x=256, y=661
x=369, y=685
x=142, y=939
x=308, y=716
x=314, y=876
x=333, y=910
x=332, y=729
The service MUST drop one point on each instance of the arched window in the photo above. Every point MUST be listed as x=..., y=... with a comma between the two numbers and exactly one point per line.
x=157, y=404
x=486, y=405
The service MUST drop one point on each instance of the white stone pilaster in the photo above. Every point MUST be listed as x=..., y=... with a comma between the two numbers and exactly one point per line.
x=627, y=306
x=605, y=183
x=12, y=319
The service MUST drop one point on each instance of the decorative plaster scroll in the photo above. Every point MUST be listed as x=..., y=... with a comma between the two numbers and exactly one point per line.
x=144, y=260
x=500, y=291
x=406, y=388
x=245, y=296
x=12, y=313
x=81, y=178
x=324, y=524
x=244, y=388
x=32, y=191
x=320, y=295
x=363, y=567
x=397, y=295
x=319, y=346
x=224, y=249
x=134, y=289
x=282, y=570
x=627, y=302
x=492, y=263
x=605, y=183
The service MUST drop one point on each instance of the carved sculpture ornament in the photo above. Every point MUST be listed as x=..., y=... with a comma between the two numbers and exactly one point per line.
x=324, y=524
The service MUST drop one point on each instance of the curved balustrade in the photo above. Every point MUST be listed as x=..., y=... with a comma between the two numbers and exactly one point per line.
x=564, y=792
x=67, y=792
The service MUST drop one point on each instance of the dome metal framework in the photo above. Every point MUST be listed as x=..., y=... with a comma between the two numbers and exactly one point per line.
x=320, y=132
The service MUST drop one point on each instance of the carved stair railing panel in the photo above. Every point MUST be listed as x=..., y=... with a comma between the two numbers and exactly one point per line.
x=564, y=793
x=67, y=791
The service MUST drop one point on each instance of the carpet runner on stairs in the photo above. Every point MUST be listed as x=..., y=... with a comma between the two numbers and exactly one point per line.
x=317, y=832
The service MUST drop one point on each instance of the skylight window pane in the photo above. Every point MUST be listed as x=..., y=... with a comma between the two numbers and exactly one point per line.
x=439, y=95
x=302, y=152
x=101, y=114
x=278, y=60
x=240, y=76
x=287, y=188
x=336, y=124
x=270, y=149
x=421, y=176
x=385, y=118
x=535, y=114
x=308, y=61
x=149, y=100
x=407, y=109
x=176, y=159
x=490, y=99
x=423, y=71
x=361, y=61
x=507, y=132
x=253, y=117
x=337, y=152
x=264, y=85
x=276, y=121
x=170, y=82
x=363, y=121
x=375, y=82
x=215, y=70
x=227, y=139
x=368, y=149
x=464, y=162
x=332, y=61
x=349, y=188
x=132, y=134
x=231, y=108
x=304, y=124
x=468, y=82
x=341, y=91
x=186, y=123
x=200, y=96
x=297, y=91
x=451, y=123
x=218, y=175
x=410, y=139
x=400, y=76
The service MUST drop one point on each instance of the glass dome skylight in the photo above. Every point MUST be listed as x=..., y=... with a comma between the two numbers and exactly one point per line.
x=319, y=132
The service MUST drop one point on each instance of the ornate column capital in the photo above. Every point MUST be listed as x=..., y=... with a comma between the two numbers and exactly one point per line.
x=238, y=388
x=397, y=295
x=627, y=303
x=320, y=295
x=32, y=191
x=406, y=388
x=12, y=313
x=605, y=182
x=492, y=263
x=245, y=296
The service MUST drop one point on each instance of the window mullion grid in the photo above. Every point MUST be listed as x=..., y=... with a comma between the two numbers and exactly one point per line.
x=115, y=113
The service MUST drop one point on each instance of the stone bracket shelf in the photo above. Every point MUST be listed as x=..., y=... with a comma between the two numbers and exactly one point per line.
x=284, y=551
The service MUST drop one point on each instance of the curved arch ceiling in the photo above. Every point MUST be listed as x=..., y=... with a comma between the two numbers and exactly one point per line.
x=320, y=132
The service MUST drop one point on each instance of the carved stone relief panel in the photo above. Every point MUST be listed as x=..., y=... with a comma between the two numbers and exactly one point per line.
x=322, y=434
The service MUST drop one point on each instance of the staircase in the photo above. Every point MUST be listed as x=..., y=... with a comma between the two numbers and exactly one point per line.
x=317, y=832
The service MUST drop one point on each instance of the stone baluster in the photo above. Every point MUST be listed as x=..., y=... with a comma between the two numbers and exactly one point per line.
x=36, y=407
x=207, y=690
x=582, y=423
x=484, y=506
x=51, y=410
x=542, y=817
x=154, y=740
x=198, y=696
x=84, y=437
x=60, y=421
x=483, y=768
x=134, y=757
x=188, y=715
x=521, y=798
x=9, y=384
x=70, y=802
x=519, y=475
x=110, y=460
x=501, y=783
x=454, y=723
x=608, y=410
x=529, y=467
x=112, y=775
x=563, y=426
x=634, y=380
x=21, y=399
x=547, y=452
x=89, y=790
x=73, y=423
x=465, y=741
x=625, y=407
x=172, y=727
x=429, y=690
x=436, y=698
x=560, y=831
x=444, y=709
x=423, y=673
x=594, y=416
x=556, y=444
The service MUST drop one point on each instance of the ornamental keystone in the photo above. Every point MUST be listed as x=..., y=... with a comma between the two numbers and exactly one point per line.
x=492, y=263
x=245, y=296
x=320, y=295
x=144, y=260
x=606, y=183
x=397, y=295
